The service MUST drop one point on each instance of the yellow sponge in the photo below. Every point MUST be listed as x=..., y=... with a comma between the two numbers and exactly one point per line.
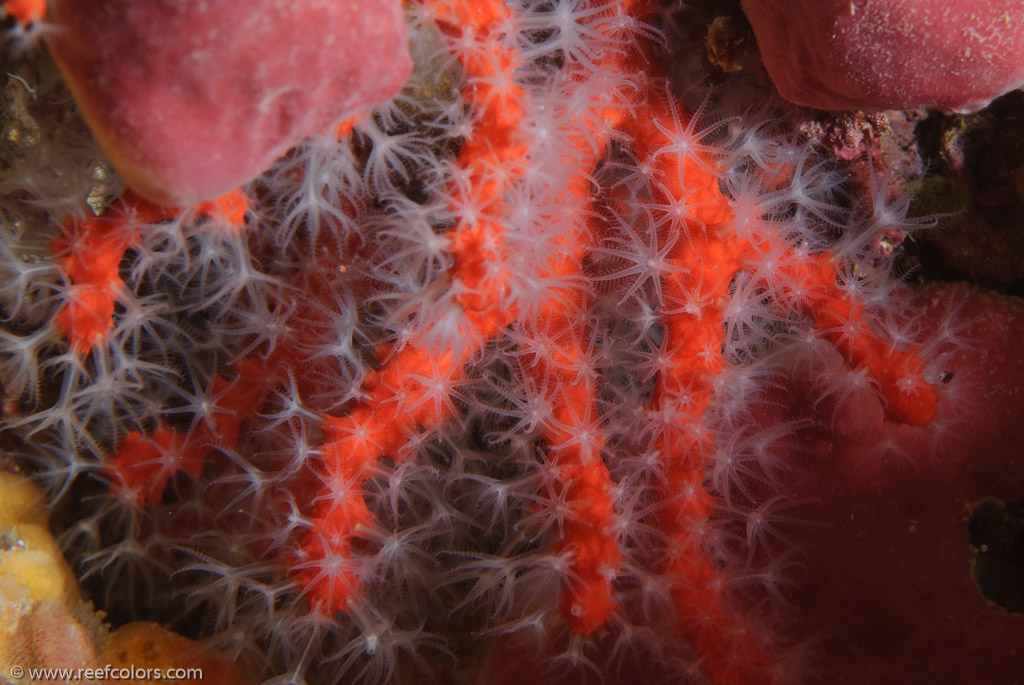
x=145, y=645
x=20, y=501
x=29, y=554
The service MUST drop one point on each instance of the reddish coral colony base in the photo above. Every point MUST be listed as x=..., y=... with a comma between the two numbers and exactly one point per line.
x=560, y=366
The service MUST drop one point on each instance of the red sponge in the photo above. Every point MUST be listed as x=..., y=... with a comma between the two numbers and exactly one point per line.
x=902, y=583
x=190, y=98
x=891, y=54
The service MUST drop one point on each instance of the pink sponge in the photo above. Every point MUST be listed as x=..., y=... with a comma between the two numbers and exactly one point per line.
x=190, y=98
x=901, y=584
x=891, y=54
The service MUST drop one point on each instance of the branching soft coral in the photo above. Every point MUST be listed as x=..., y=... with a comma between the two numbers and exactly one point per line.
x=500, y=365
